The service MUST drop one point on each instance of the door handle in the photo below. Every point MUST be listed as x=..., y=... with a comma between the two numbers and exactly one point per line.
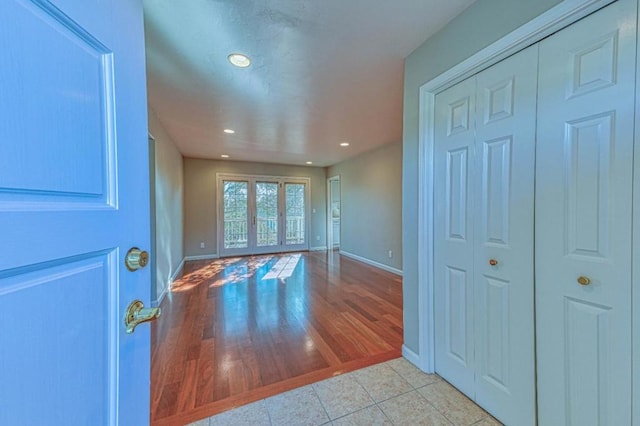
x=254, y=220
x=584, y=280
x=137, y=314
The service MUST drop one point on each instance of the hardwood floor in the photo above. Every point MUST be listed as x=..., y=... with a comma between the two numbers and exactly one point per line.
x=228, y=336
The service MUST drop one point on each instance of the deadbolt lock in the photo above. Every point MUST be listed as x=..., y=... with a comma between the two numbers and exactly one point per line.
x=136, y=259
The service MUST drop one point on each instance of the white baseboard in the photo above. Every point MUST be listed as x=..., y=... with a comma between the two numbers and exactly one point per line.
x=177, y=272
x=411, y=356
x=201, y=257
x=158, y=301
x=173, y=277
x=323, y=248
x=371, y=262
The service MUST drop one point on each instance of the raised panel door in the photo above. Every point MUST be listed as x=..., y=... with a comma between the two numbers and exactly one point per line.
x=74, y=197
x=453, y=235
x=583, y=219
x=503, y=269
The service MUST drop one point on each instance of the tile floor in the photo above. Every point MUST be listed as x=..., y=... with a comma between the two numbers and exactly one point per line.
x=391, y=393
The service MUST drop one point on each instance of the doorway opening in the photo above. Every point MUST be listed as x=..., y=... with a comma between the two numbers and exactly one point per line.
x=333, y=213
x=262, y=214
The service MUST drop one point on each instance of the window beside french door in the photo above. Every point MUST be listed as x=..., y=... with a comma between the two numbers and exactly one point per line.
x=262, y=214
x=295, y=218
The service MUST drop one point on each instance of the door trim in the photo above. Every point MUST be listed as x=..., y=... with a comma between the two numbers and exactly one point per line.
x=556, y=18
x=330, y=211
x=156, y=298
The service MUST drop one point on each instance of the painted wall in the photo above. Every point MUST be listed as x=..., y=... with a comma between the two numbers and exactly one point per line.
x=371, y=210
x=200, y=216
x=483, y=23
x=169, y=190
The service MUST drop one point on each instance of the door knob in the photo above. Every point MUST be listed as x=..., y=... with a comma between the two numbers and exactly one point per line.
x=584, y=280
x=493, y=262
x=136, y=259
x=137, y=314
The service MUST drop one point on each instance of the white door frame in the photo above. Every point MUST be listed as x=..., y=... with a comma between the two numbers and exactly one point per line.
x=558, y=17
x=330, y=212
x=153, y=262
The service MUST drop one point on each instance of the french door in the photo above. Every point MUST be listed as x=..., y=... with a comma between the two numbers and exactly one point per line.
x=259, y=214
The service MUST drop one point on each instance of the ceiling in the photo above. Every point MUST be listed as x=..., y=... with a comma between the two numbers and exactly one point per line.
x=323, y=72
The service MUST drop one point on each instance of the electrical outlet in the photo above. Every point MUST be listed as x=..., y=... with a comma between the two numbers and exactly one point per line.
x=313, y=210
x=390, y=254
x=202, y=245
x=317, y=237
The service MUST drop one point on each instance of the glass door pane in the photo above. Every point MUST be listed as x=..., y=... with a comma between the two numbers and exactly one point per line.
x=266, y=214
x=235, y=196
x=295, y=213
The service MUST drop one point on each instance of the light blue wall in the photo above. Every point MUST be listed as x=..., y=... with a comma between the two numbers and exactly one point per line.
x=483, y=23
x=371, y=211
x=169, y=192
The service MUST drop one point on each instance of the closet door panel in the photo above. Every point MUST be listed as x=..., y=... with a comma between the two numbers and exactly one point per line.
x=453, y=235
x=583, y=219
x=504, y=295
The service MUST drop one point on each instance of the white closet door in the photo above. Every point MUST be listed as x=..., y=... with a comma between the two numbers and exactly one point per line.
x=453, y=235
x=484, y=168
x=583, y=220
x=503, y=270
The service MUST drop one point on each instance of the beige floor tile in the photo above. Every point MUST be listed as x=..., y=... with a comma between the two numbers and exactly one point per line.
x=254, y=414
x=382, y=382
x=342, y=395
x=411, y=373
x=488, y=421
x=412, y=409
x=203, y=422
x=297, y=407
x=370, y=416
x=453, y=404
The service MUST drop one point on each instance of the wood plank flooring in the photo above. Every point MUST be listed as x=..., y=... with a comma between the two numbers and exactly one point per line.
x=228, y=337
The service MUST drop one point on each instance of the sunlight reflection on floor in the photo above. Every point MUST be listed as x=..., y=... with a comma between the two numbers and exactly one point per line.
x=246, y=268
x=284, y=268
x=243, y=271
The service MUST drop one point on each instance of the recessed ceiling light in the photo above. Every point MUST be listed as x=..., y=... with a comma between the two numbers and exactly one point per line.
x=230, y=131
x=309, y=162
x=344, y=144
x=224, y=156
x=239, y=60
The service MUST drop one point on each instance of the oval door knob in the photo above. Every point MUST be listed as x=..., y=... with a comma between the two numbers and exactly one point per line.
x=493, y=262
x=137, y=314
x=584, y=280
x=136, y=259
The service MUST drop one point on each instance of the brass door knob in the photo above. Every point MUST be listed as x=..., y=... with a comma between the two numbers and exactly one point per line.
x=493, y=262
x=137, y=314
x=136, y=259
x=584, y=280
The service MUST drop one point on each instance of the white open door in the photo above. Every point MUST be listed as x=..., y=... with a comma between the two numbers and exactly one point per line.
x=74, y=198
